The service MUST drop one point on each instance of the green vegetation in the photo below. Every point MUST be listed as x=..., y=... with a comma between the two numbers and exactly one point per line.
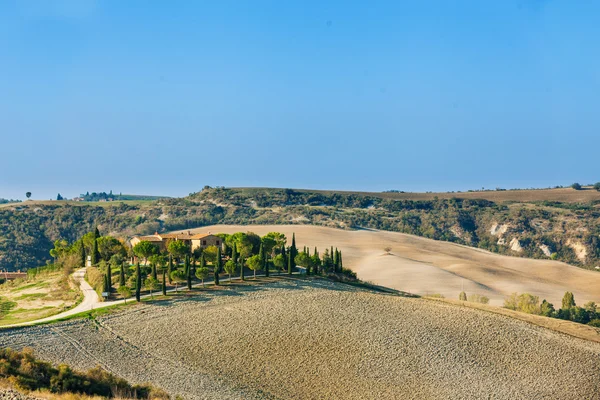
x=528, y=303
x=25, y=372
x=26, y=235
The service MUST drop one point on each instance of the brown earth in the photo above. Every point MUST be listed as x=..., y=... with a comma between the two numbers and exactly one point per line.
x=424, y=266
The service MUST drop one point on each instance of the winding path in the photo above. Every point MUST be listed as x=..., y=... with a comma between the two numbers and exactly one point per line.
x=91, y=301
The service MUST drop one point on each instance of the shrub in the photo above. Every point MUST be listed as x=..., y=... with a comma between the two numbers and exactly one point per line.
x=595, y=323
x=597, y=186
x=524, y=302
x=437, y=296
x=478, y=298
x=462, y=296
x=576, y=186
x=26, y=373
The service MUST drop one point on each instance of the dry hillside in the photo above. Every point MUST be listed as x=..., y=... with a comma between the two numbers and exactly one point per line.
x=425, y=266
x=305, y=339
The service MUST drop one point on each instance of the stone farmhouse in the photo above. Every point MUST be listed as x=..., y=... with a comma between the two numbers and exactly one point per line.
x=194, y=241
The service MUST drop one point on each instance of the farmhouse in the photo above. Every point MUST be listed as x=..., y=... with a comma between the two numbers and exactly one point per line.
x=194, y=241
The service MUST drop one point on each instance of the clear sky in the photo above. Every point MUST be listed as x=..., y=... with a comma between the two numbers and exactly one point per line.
x=164, y=97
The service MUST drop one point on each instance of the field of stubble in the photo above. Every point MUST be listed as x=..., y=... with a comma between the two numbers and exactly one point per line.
x=303, y=339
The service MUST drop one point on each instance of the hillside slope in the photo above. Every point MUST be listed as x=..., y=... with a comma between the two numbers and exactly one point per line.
x=564, y=231
x=424, y=266
x=304, y=339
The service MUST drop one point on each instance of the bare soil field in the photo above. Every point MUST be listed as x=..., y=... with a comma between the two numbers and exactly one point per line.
x=314, y=339
x=424, y=266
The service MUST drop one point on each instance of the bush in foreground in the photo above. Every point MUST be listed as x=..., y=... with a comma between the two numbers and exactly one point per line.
x=25, y=372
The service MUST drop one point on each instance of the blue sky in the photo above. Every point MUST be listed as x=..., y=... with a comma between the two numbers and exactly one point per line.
x=164, y=97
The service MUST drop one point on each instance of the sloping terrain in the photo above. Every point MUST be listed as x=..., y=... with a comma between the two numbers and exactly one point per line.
x=305, y=339
x=568, y=230
x=425, y=266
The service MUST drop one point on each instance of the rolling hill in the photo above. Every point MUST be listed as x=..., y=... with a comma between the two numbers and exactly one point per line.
x=544, y=224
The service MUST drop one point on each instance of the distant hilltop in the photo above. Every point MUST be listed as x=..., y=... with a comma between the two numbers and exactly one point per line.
x=110, y=196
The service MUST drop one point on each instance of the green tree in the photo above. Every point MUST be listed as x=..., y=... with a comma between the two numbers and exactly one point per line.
x=178, y=249
x=217, y=266
x=188, y=273
x=241, y=262
x=164, y=282
x=279, y=262
x=293, y=254
x=230, y=267
x=210, y=254
x=254, y=264
x=305, y=261
x=568, y=301
x=170, y=268
x=151, y=284
x=316, y=262
x=125, y=292
x=178, y=277
x=234, y=254
x=576, y=186
x=155, y=260
x=138, y=282
x=28, y=195
x=462, y=296
x=122, y=275
x=145, y=249
x=597, y=186
x=108, y=279
x=82, y=254
x=547, y=309
x=96, y=233
x=202, y=273
x=261, y=256
x=109, y=246
x=95, y=254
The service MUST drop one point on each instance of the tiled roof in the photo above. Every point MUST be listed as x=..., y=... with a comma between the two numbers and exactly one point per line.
x=181, y=235
x=151, y=238
x=201, y=235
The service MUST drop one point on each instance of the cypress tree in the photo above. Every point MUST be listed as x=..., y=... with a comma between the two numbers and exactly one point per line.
x=189, y=278
x=186, y=265
x=108, y=278
x=153, y=265
x=293, y=254
x=283, y=253
x=267, y=265
x=95, y=252
x=96, y=233
x=242, y=269
x=335, y=261
x=331, y=255
x=138, y=282
x=170, y=269
x=164, y=282
x=261, y=256
x=341, y=265
x=234, y=255
x=217, y=267
x=82, y=253
x=122, y=275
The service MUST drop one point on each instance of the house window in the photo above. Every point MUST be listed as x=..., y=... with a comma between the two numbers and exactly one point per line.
x=217, y=242
x=204, y=243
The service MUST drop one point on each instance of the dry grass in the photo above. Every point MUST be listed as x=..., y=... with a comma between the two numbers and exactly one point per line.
x=48, y=294
x=570, y=328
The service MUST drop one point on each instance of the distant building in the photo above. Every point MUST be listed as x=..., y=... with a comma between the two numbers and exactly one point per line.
x=194, y=241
